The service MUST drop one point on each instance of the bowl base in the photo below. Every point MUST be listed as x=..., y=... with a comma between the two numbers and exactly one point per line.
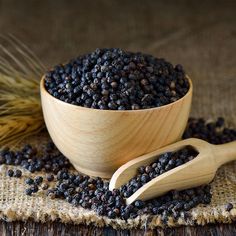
x=93, y=173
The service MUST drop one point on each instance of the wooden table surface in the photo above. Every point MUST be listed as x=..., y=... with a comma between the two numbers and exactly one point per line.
x=58, y=229
x=201, y=35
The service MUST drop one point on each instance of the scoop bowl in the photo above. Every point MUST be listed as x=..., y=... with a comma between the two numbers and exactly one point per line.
x=97, y=142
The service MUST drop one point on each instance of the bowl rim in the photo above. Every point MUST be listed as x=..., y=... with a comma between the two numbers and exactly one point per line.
x=44, y=90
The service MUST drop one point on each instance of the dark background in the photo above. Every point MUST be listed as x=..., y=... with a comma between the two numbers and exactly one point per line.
x=180, y=31
x=200, y=35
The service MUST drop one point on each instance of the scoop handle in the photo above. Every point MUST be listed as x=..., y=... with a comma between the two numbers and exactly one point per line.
x=225, y=153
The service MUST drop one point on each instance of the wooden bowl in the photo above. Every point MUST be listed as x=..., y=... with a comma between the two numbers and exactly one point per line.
x=97, y=142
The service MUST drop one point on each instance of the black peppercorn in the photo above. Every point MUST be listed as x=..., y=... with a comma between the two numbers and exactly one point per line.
x=139, y=203
x=10, y=173
x=229, y=206
x=17, y=173
x=8, y=159
x=34, y=188
x=29, y=181
x=50, y=177
x=111, y=214
x=31, y=168
x=145, y=178
x=63, y=187
x=28, y=191
x=38, y=180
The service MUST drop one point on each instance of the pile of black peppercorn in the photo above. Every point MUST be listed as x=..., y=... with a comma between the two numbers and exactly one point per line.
x=164, y=163
x=113, y=79
x=62, y=181
x=212, y=132
x=51, y=160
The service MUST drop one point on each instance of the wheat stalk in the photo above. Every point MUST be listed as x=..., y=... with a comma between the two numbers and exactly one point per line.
x=20, y=108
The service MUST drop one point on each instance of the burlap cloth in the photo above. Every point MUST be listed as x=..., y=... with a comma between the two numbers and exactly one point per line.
x=201, y=36
x=16, y=205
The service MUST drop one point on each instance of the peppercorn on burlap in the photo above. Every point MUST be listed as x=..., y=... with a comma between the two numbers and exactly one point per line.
x=16, y=205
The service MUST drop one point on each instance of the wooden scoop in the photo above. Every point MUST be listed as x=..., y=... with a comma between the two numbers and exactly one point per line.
x=200, y=170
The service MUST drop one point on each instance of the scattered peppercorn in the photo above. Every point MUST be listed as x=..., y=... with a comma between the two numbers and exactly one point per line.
x=50, y=177
x=26, y=158
x=212, y=132
x=29, y=181
x=17, y=173
x=38, y=180
x=28, y=191
x=229, y=206
x=34, y=188
x=113, y=79
x=10, y=173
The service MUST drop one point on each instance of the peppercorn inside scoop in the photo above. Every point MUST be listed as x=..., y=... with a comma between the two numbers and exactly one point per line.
x=164, y=163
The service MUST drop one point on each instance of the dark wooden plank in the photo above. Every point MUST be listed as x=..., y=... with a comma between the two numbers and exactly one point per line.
x=59, y=229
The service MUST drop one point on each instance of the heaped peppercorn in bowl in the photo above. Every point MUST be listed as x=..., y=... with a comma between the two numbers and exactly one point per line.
x=108, y=107
x=113, y=79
